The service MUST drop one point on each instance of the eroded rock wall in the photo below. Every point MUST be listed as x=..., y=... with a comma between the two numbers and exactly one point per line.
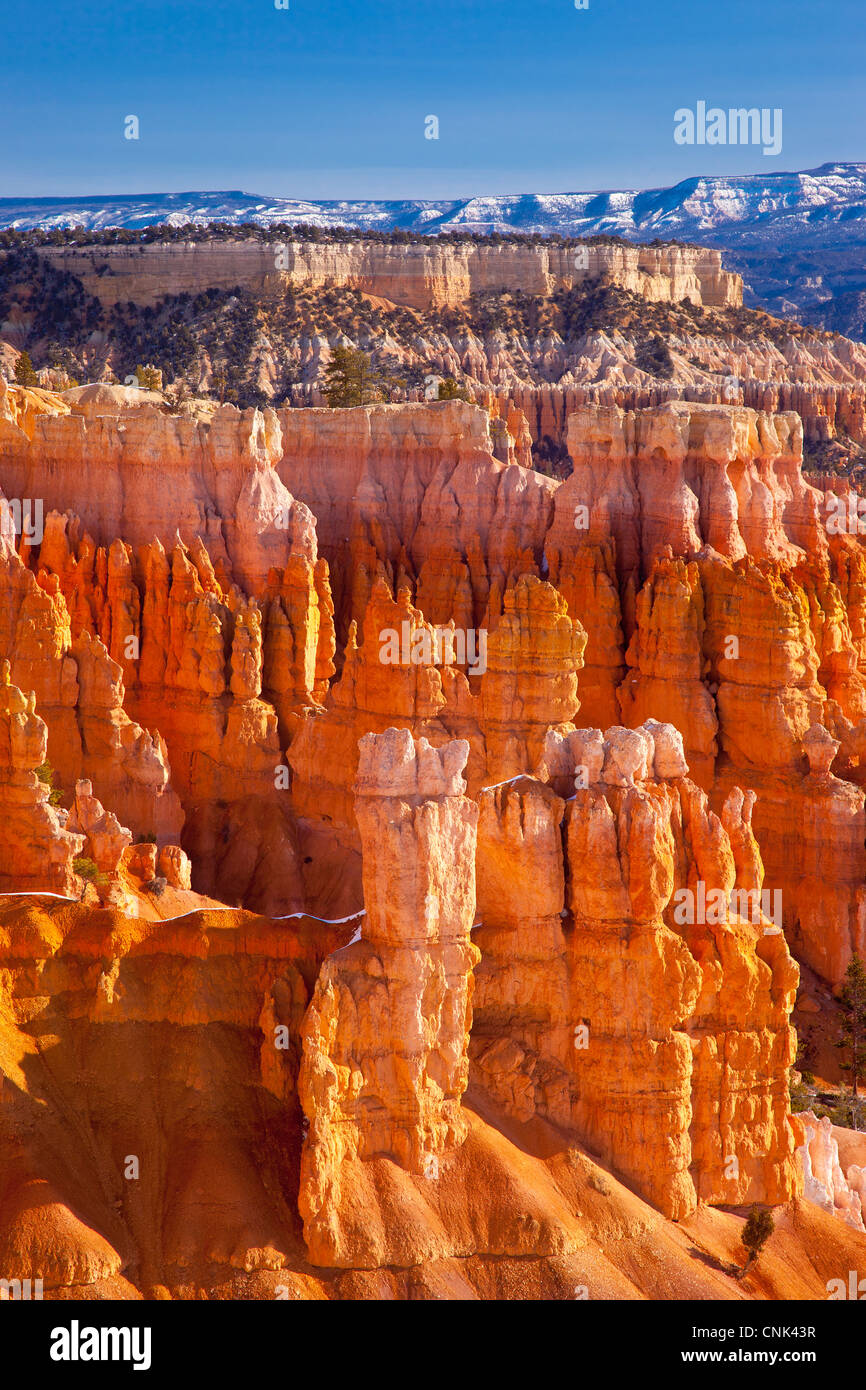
x=420, y=275
x=665, y=1047
x=385, y=1039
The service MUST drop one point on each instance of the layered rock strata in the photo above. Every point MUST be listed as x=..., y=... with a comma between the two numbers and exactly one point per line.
x=385, y=1038
x=418, y=275
x=686, y=543
x=502, y=692
x=608, y=999
x=150, y=1141
x=98, y=631
x=702, y=589
x=150, y=1129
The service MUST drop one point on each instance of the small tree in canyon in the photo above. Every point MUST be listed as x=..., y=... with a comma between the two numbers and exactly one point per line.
x=87, y=870
x=220, y=383
x=149, y=378
x=46, y=774
x=450, y=391
x=350, y=379
x=25, y=374
x=852, y=1032
x=756, y=1232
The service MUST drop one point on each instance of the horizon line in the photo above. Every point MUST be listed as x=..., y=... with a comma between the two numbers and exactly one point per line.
x=420, y=198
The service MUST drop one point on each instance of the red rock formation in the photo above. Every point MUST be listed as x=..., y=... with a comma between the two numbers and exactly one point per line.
x=703, y=591
x=826, y=1183
x=36, y=848
x=81, y=694
x=185, y=631
x=530, y=685
x=385, y=1038
x=585, y=968
x=142, y=475
x=406, y=674
x=105, y=838
x=699, y=546
x=668, y=668
x=151, y=1114
x=704, y=547
x=176, y=1044
x=460, y=523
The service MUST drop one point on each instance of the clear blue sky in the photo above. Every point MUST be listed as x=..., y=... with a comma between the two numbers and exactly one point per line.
x=328, y=99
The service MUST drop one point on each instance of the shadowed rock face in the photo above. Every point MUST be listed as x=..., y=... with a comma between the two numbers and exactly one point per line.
x=252, y=671
x=826, y=1182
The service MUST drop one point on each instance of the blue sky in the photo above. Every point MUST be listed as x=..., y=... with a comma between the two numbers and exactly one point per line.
x=328, y=98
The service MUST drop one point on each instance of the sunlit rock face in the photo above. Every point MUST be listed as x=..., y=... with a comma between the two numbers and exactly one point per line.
x=37, y=847
x=385, y=1039
x=606, y=917
x=419, y=275
x=511, y=802
x=686, y=545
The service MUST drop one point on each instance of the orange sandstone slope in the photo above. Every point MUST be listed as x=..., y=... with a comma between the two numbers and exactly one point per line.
x=263, y=666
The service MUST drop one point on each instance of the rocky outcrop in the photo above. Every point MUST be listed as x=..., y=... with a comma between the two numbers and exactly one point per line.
x=419, y=275
x=501, y=691
x=80, y=692
x=667, y=668
x=691, y=550
x=150, y=1114
x=150, y=1142
x=632, y=986
x=740, y=617
x=836, y=1192
x=105, y=838
x=171, y=639
x=37, y=849
x=385, y=1038
x=143, y=475
x=597, y=950
x=542, y=368
x=686, y=544
x=461, y=523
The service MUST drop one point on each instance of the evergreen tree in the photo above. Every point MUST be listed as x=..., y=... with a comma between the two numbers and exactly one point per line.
x=852, y=1032
x=450, y=391
x=350, y=379
x=149, y=379
x=220, y=384
x=24, y=372
x=756, y=1232
x=87, y=870
x=46, y=774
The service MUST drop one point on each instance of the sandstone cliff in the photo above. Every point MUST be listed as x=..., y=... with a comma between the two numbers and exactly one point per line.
x=576, y=898
x=385, y=1039
x=839, y=1193
x=36, y=849
x=686, y=543
x=141, y=475
x=419, y=275
x=200, y=688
